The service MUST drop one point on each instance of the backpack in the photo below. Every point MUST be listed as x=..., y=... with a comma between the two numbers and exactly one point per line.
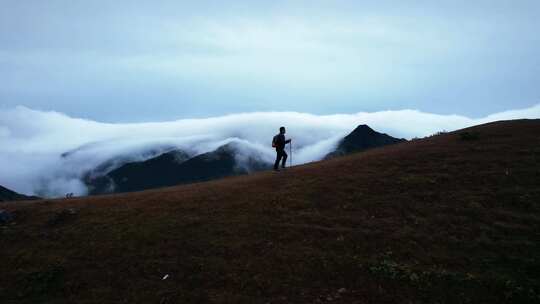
x=274, y=142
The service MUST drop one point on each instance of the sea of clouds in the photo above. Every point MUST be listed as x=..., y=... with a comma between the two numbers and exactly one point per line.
x=47, y=153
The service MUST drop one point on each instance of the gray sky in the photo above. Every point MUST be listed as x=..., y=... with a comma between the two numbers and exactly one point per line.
x=119, y=61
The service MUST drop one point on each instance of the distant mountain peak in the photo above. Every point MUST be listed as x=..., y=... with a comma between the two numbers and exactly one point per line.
x=363, y=128
x=363, y=131
x=230, y=147
x=363, y=137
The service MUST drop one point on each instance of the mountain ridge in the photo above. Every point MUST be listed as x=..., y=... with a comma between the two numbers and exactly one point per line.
x=10, y=195
x=165, y=170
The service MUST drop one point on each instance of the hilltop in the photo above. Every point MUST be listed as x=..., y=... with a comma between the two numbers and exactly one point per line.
x=453, y=218
x=10, y=195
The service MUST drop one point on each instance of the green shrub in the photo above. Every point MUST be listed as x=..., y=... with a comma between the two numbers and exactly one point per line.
x=468, y=136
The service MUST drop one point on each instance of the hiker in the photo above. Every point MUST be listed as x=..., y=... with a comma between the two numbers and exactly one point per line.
x=279, y=143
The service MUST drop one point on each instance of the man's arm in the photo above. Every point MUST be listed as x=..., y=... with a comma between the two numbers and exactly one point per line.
x=288, y=141
x=281, y=140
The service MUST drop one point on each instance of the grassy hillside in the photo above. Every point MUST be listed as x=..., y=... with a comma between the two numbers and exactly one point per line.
x=453, y=218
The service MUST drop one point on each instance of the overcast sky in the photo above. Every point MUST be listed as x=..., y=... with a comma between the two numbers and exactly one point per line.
x=133, y=61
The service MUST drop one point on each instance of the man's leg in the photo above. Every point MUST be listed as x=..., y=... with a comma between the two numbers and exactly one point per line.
x=284, y=160
x=278, y=158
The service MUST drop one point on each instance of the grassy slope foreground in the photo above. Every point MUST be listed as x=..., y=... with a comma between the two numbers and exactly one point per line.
x=452, y=218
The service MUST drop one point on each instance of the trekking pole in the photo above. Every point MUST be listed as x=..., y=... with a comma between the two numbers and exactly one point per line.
x=290, y=152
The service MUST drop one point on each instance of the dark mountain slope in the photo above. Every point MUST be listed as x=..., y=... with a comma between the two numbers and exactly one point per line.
x=95, y=178
x=174, y=168
x=138, y=175
x=8, y=195
x=450, y=219
x=363, y=138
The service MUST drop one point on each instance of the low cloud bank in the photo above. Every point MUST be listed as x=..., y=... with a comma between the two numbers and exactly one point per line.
x=46, y=153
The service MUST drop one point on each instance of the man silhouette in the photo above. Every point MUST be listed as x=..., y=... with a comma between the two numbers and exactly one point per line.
x=279, y=143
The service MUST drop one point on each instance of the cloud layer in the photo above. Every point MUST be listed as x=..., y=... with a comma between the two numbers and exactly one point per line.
x=32, y=142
